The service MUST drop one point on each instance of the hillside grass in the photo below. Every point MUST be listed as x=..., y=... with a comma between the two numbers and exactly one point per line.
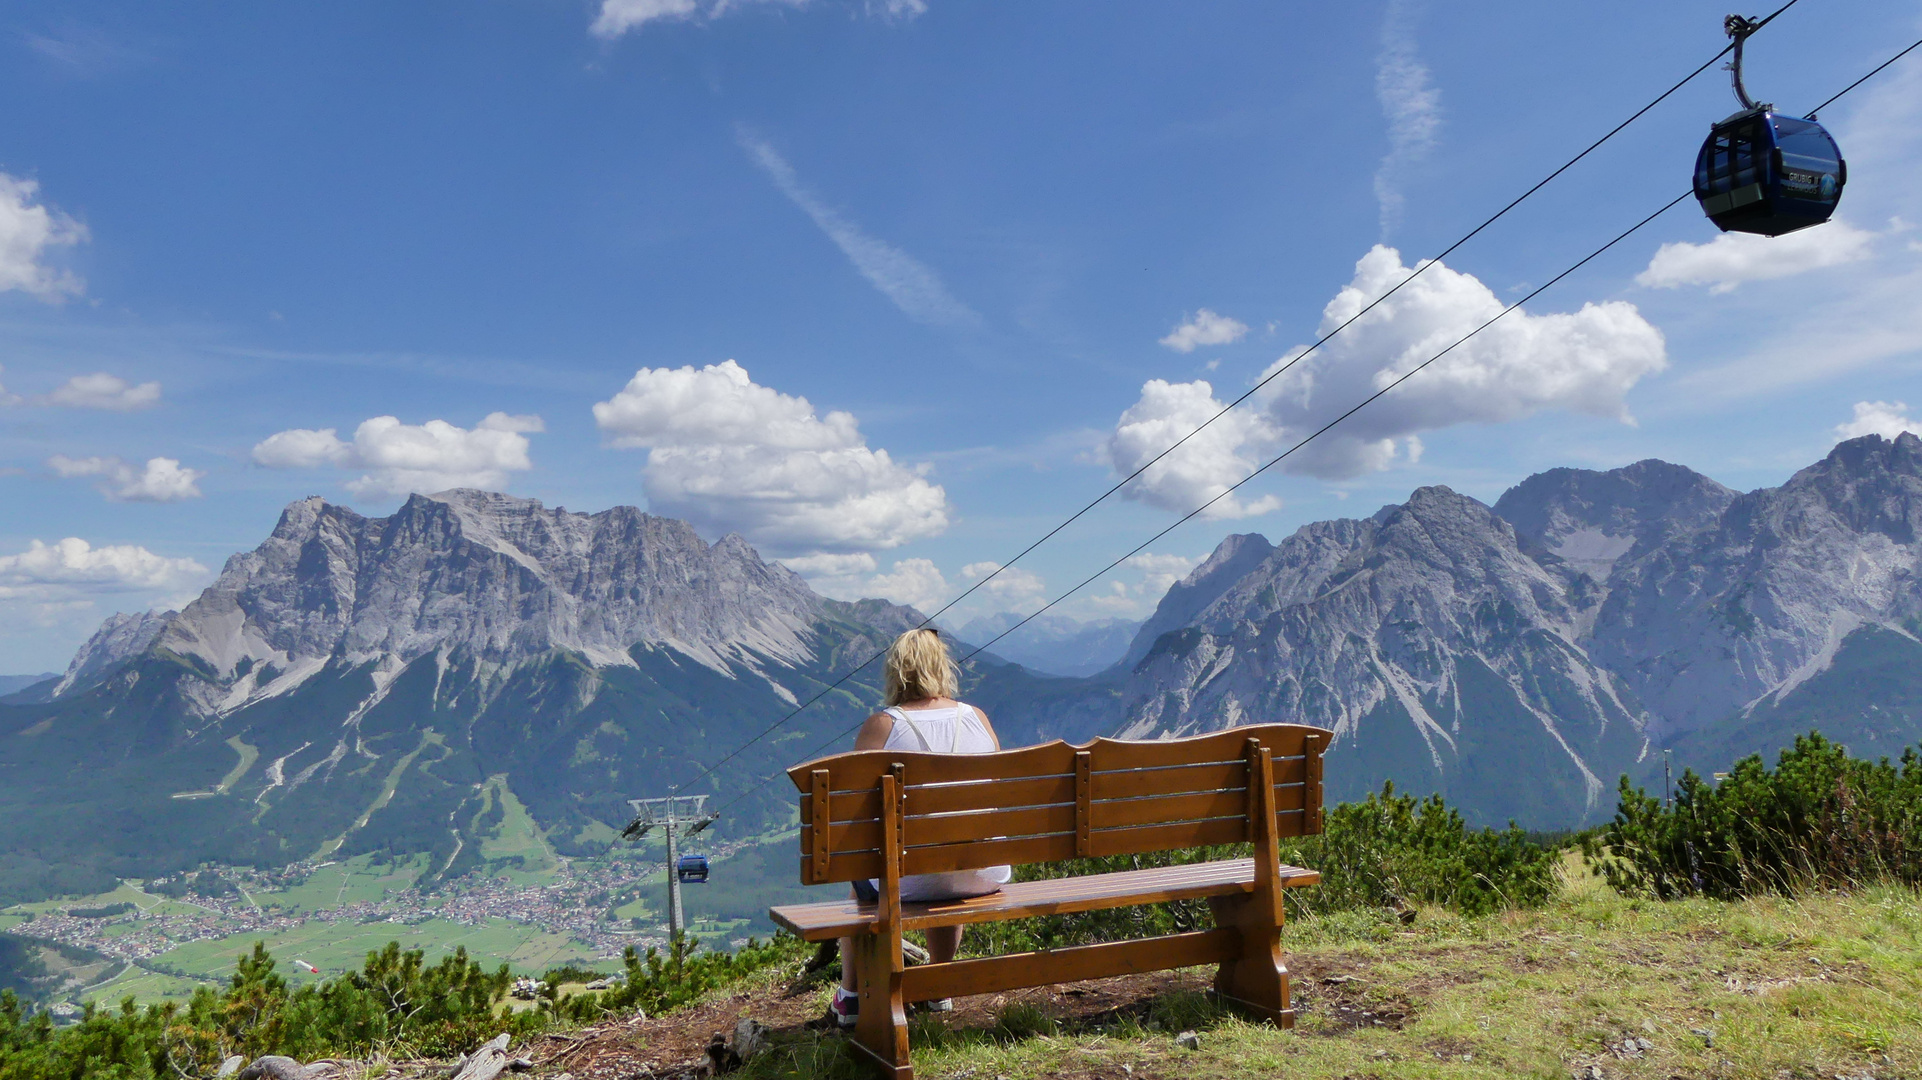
x=1829, y=984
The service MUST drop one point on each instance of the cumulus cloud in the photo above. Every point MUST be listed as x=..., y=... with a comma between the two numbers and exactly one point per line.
x=1409, y=103
x=73, y=565
x=1134, y=597
x=617, y=17
x=29, y=233
x=829, y=564
x=1207, y=465
x=103, y=391
x=731, y=455
x=906, y=282
x=399, y=459
x=917, y=582
x=1160, y=572
x=1205, y=328
x=1730, y=259
x=1584, y=361
x=1012, y=587
x=1885, y=418
x=161, y=480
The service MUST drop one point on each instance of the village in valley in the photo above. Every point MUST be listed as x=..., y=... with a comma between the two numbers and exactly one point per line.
x=164, y=936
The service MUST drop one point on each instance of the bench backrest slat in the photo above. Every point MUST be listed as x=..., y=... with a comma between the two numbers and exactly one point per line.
x=1052, y=802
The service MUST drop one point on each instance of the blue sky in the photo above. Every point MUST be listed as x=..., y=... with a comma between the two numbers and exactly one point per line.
x=949, y=248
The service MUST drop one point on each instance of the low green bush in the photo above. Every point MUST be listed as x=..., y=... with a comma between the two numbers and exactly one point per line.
x=656, y=982
x=1819, y=819
x=1389, y=848
x=396, y=1002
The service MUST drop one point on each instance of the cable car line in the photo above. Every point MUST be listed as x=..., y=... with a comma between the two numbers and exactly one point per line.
x=1420, y=268
x=1276, y=460
x=1324, y=428
x=1872, y=74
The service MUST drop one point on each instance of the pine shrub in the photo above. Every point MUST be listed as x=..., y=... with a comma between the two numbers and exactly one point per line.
x=1819, y=819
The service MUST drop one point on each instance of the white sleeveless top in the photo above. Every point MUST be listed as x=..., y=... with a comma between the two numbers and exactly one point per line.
x=955, y=730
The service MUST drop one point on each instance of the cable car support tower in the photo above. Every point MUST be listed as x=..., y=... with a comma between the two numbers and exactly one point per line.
x=670, y=813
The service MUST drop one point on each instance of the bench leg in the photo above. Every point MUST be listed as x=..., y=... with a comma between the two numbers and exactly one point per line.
x=882, y=1028
x=1258, y=979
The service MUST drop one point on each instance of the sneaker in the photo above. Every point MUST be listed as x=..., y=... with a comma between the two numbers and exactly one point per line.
x=846, y=1008
x=937, y=1005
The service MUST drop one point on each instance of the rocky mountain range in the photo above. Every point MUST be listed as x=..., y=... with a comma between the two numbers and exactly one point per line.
x=1520, y=657
x=348, y=684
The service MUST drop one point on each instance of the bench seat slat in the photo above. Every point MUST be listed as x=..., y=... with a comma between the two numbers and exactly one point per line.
x=1053, y=896
x=1179, y=779
x=1180, y=834
x=1028, y=821
x=939, y=859
x=1283, y=741
x=979, y=824
x=866, y=805
x=862, y=769
x=1121, y=813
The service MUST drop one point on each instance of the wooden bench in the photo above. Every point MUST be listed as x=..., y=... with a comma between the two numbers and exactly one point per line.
x=886, y=813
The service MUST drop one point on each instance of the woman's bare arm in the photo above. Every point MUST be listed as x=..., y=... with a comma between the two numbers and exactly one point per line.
x=984, y=723
x=874, y=733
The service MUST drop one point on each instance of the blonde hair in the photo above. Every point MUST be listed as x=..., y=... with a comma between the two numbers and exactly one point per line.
x=918, y=667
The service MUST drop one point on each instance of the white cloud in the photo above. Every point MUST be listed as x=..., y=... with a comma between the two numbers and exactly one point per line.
x=1885, y=418
x=1409, y=103
x=73, y=565
x=1733, y=258
x=1585, y=361
x=28, y=233
x=5, y=397
x=831, y=564
x=399, y=459
x=1205, y=466
x=103, y=391
x=1160, y=572
x=162, y=480
x=617, y=17
x=910, y=285
x=1205, y=328
x=1013, y=587
x=917, y=583
x=733, y=456
x=1138, y=597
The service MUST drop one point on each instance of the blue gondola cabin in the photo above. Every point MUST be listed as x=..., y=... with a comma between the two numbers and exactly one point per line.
x=1763, y=173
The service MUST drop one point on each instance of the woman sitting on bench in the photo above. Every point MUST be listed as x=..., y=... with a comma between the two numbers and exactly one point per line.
x=921, y=714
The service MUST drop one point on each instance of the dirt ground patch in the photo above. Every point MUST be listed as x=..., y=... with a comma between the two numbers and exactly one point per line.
x=677, y=1045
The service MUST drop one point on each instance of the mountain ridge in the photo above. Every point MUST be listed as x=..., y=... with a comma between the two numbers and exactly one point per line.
x=349, y=684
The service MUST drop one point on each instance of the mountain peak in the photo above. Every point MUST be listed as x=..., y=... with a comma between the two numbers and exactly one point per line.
x=1231, y=561
x=496, y=577
x=1591, y=520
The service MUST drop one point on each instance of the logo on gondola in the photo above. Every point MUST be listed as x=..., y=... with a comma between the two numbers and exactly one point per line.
x=1828, y=185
